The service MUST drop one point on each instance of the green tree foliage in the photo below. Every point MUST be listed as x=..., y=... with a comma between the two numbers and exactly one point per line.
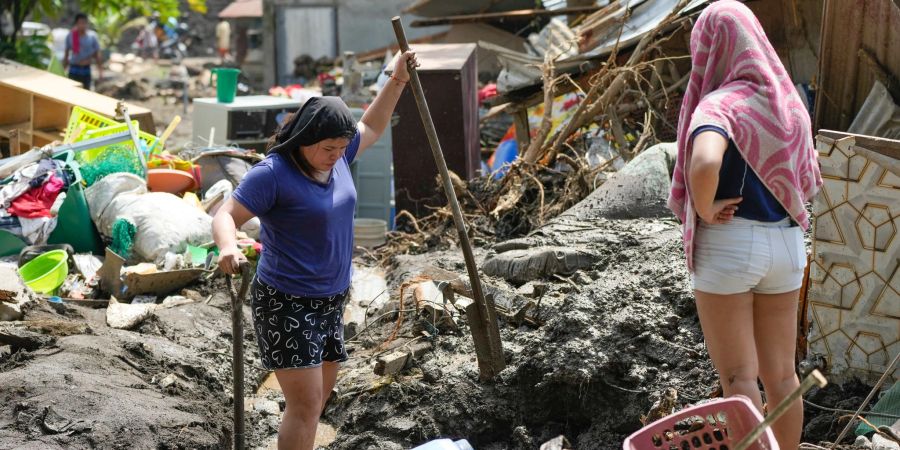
x=109, y=17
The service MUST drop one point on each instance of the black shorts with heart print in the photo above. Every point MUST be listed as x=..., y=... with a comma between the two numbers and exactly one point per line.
x=297, y=332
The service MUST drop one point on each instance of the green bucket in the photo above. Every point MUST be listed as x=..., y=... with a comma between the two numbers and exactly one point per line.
x=226, y=83
x=47, y=272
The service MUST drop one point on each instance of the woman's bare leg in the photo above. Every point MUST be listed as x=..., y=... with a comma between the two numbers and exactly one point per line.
x=727, y=323
x=329, y=378
x=303, y=405
x=775, y=328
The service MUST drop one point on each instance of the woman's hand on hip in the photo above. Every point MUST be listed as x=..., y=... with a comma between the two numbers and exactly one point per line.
x=406, y=60
x=720, y=212
x=230, y=260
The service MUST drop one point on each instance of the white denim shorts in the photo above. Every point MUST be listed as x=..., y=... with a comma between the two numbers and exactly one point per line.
x=747, y=255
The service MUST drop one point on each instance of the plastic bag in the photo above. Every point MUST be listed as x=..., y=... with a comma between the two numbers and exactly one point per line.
x=164, y=222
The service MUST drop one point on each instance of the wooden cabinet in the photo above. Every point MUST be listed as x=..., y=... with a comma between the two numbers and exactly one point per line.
x=37, y=104
x=448, y=73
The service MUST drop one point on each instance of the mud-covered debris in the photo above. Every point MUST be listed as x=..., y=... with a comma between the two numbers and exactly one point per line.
x=175, y=300
x=267, y=407
x=126, y=316
x=396, y=361
x=863, y=443
x=54, y=423
x=11, y=286
x=557, y=443
x=167, y=381
x=663, y=407
x=880, y=442
x=18, y=337
x=522, y=266
x=14, y=296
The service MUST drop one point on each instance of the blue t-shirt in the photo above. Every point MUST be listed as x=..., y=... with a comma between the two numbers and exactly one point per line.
x=88, y=46
x=735, y=175
x=307, y=227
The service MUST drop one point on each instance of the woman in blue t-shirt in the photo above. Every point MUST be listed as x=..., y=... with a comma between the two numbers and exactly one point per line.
x=304, y=196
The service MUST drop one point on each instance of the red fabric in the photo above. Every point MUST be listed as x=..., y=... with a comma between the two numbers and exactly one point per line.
x=76, y=41
x=37, y=201
x=488, y=91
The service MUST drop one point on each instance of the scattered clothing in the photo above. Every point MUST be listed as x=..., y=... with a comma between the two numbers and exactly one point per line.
x=26, y=179
x=38, y=201
x=10, y=224
x=297, y=332
x=37, y=230
x=29, y=203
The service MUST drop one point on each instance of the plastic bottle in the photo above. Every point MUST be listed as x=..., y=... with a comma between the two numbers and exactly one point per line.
x=445, y=444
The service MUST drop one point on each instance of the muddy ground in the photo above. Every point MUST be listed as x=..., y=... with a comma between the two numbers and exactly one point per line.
x=615, y=334
x=614, y=327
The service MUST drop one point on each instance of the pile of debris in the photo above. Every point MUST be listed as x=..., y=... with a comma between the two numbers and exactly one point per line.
x=620, y=108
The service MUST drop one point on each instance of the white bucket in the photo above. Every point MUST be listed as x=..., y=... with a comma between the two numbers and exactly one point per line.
x=369, y=233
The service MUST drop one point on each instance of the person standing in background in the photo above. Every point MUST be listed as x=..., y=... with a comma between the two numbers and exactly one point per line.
x=223, y=39
x=82, y=46
x=149, y=42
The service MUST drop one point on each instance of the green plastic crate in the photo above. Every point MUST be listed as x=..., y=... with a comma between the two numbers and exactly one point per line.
x=93, y=125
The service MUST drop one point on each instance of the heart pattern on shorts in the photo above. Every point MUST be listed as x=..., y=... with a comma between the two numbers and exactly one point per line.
x=295, y=331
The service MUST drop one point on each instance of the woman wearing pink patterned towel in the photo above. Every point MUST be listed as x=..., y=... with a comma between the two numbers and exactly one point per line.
x=746, y=166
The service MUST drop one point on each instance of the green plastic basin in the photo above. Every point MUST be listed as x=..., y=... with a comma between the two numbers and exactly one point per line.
x=47, y=272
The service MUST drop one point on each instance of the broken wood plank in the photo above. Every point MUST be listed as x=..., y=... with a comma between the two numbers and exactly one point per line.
x=523, y=133
x=454, y=284
x=519, y=14
x=14, y=146
x=394, y=362
x=889, y=81
x=887, y=147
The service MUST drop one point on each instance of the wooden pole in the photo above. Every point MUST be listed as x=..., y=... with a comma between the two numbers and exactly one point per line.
x=868, y=399
x=14, y=145
x=813, y=379
x=485, y=332
x=237, y=354
x=523, y=133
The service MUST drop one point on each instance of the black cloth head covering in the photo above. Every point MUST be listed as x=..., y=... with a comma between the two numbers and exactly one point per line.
x=318, y=119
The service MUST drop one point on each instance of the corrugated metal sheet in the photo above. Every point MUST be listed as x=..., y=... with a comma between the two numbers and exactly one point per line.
x=303, y=30
x=845, y=81
x=879, y=116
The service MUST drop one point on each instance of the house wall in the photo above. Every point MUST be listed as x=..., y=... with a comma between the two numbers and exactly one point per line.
x=871, y=25
x=361, y=25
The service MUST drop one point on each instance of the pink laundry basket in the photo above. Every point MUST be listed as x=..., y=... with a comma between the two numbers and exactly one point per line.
x=717, y=425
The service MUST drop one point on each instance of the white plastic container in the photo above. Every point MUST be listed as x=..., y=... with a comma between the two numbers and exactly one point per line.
x=369, y=233
x=445, y=444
